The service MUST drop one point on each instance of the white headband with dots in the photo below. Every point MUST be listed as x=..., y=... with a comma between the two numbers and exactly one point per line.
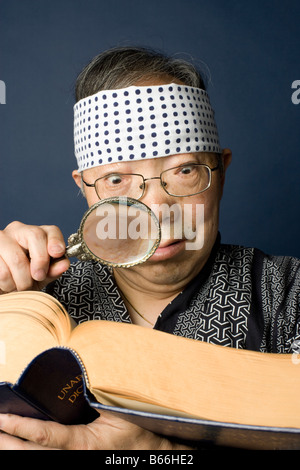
x=135, y=123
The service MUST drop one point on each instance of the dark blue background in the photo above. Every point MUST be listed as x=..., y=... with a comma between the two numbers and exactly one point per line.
x=252, y=52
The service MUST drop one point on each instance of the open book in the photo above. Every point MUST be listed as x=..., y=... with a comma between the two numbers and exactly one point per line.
x=53, y=369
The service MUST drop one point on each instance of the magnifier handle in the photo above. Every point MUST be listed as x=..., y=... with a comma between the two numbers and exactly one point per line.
x=74, y=248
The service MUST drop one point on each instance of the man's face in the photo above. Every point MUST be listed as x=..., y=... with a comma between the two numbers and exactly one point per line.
x=177, y=257
x=172, y=263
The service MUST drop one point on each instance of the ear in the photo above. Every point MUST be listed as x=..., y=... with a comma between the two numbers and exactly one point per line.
x=226, y=158
x=77, y=178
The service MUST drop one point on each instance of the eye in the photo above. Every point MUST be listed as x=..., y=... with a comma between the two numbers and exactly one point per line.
x=186, y=169
x=114, y=179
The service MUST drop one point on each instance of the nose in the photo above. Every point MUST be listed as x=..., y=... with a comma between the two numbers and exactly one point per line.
x=153, y=193
x=164, y=206
x=153, y=178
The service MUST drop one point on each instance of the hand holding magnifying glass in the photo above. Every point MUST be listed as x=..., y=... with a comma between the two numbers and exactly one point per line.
x=118, y=232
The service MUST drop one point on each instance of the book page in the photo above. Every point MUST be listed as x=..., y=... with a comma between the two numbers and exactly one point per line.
x=200, y=379
x=129, y=404
x=30, y=322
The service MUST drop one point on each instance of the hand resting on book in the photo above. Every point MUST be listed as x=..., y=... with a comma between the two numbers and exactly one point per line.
x=105, y=433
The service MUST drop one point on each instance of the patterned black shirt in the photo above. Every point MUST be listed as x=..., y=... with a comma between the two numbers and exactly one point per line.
x=242, y=298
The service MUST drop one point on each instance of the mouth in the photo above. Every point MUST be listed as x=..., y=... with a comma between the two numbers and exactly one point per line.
x=167, y=243
x=168, y=249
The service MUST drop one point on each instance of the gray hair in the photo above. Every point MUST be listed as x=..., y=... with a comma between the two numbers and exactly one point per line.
x=123, y=66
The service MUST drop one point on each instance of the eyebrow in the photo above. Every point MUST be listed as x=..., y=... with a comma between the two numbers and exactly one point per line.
x=113, y=168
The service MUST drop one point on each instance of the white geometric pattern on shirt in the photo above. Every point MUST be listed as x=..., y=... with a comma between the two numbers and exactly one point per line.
x=220, y=311
x=281, y=302
x=88, y=292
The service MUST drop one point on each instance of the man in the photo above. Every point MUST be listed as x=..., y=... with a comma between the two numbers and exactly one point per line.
x=144, y=128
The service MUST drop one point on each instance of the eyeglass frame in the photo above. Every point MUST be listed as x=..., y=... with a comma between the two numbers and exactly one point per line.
x=210, y=170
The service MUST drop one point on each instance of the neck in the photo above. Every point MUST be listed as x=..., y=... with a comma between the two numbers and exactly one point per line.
x=147, y=295
x=145, y=300
x=135, y=283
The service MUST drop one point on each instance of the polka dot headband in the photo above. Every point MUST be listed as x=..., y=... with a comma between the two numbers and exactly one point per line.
x=135, y=123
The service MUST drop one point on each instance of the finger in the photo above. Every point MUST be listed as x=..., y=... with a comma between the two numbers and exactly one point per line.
x=8, y=442
x=38, y=254
x=7, y=283
x=15, y=266
x=56, y=269
x=45, y=434
x=40, y=244
x=26, y=241
x=55, y=241
x=46, y=249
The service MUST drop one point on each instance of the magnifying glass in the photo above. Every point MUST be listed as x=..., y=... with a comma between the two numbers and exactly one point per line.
x=118, y=232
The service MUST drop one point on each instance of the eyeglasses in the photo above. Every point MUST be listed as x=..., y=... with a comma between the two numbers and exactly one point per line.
x=185, y=180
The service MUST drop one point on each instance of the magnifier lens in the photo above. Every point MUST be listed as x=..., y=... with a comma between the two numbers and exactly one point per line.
x=120, y=232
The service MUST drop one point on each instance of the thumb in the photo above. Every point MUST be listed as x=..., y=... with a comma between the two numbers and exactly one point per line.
x=56, y=268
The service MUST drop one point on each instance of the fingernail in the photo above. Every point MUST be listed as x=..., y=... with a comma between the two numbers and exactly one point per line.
x=39, y=275
x=57, y=249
